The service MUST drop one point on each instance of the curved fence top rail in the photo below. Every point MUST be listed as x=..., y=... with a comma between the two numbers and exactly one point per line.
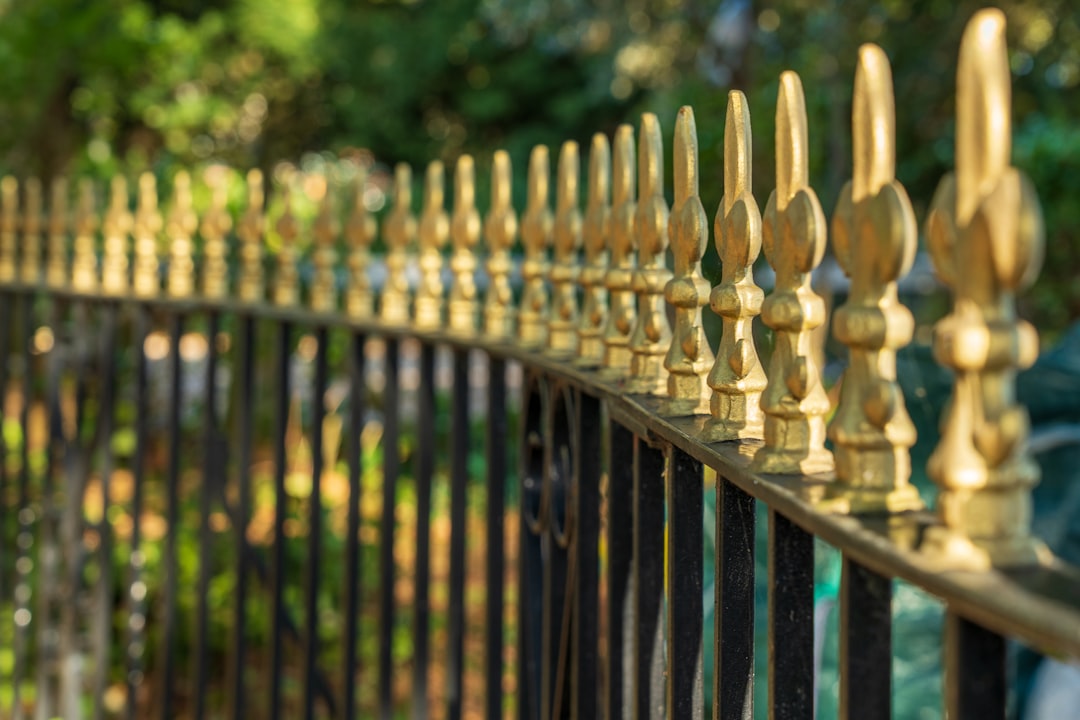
x=617, y=322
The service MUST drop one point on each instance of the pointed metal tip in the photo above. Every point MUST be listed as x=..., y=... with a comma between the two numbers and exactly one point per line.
x=685, y=155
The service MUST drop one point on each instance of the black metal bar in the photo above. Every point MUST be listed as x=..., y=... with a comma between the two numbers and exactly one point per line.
x=387, y=572
x=791, y=620
x=649, y=581
x=206, y=535
x=976, y=678
x=531, y=569
x=425, y=469
x=865, y=642
x=495, y=566
x=354, y=456
x=172, y=509
x=245, y=414
x=281, y=416
x=685, y=672
x=584, y=689
x=459, y=477
x=733, y=647
x=620, y=578
x=25, y=519
x=136, y=629
x=314, y=558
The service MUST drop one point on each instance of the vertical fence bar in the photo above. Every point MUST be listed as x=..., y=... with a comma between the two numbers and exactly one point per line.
x=648, y=581
x=865, y=642
x=354, y=455
x=587, y=596
x=459, y=477
x=314, y=558
x=245, y=414
x=137, y=595
x=206, y=538
x=172, y=502
x=553, y=555
x=281, y=418
x=620, y=579
x=387, y=573
x=733, y=647
x=425, y=469
x=531, y=569
x=791, y=620
x=495, y=566
x=7, y=313
x=685, y=564
x=976, y=683
x=24, y=540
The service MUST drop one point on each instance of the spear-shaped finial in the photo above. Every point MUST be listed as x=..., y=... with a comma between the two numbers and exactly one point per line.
x=465, y=230
x=116, y=229
x=434, y=230
x=84, y=277
x=360, y=231
x=595, y=231
x=252, y=226
x=500, y=228
x=287, y=280
x=689, y=356
x=147, y=226
x=56, y=264
x=562, y=325
x=794, y=401
x=325, y=231
x=651, y=337
x=179, y=227
x=985, y=235
x=9, y=227
x=216, y=224
x=622, y=313
x=536, y=227
x=737, y=379
x=30, y=272
x=400, y=233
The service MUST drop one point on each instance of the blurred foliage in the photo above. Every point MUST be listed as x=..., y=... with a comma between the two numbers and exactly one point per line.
x=126, y=85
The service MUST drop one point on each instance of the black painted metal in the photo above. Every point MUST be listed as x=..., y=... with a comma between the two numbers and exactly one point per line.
x=586, y=609
x=172, y=511
x=649, y=666
x=620, y=580
x=494, y=570
x=245, y=398
x=354, y=457
x=557, y=530
x=685, y=503
x=425, y=469
x=281, y=419
x=733, y=647
x=26, y=525
x=791, y=620
x=531, y=587
x=387, y=572
x=315, y=512
x=865, y=643
x=459, y=479
x=976, y=678
x=207, y=491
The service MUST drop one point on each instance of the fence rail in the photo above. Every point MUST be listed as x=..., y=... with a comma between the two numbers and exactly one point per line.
x=622, y=406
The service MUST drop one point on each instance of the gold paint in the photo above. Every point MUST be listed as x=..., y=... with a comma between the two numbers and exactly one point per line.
x=179, y=227
x=536, y=226
x=146, y=228
x=562, y=325
x=116, y=228
x=985, y=235
x=360, y=232
x=651, y=336
x=689, y=356
x=737, y=378
x=287, y=279
x=874, y=238
x=597, y=226
x=216, y=224
x=500, y=228
x=84, y=276
x=434, y=230
x=325, y=231
x=252, y=286
x=400, y=232
x=794, y=401
x=30, y=270
x=9, y=227
x=465, y=230
x=56, y=264
x=622, y=312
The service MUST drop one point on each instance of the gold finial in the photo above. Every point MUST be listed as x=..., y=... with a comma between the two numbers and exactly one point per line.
x=84, y=276
x=562, y=326
x=287, y=280
x=325, y=231
x=252, y=286
x=500, y=227
x=117, y=226
x=536, y=236
x=400, y=231
x=360, y=231
x=31, y=232
x=597, y=226
x=434, y=229
x=56, y=268
x=147, y=226
x=216, y=224
x=794, y=400
x=9, y=227
x=737, y=378
x=874, y=238
x=652, y=335
x=622, y=312
x=985, y=235
x=180, y=226
x=465, y=230
x=689, y=357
